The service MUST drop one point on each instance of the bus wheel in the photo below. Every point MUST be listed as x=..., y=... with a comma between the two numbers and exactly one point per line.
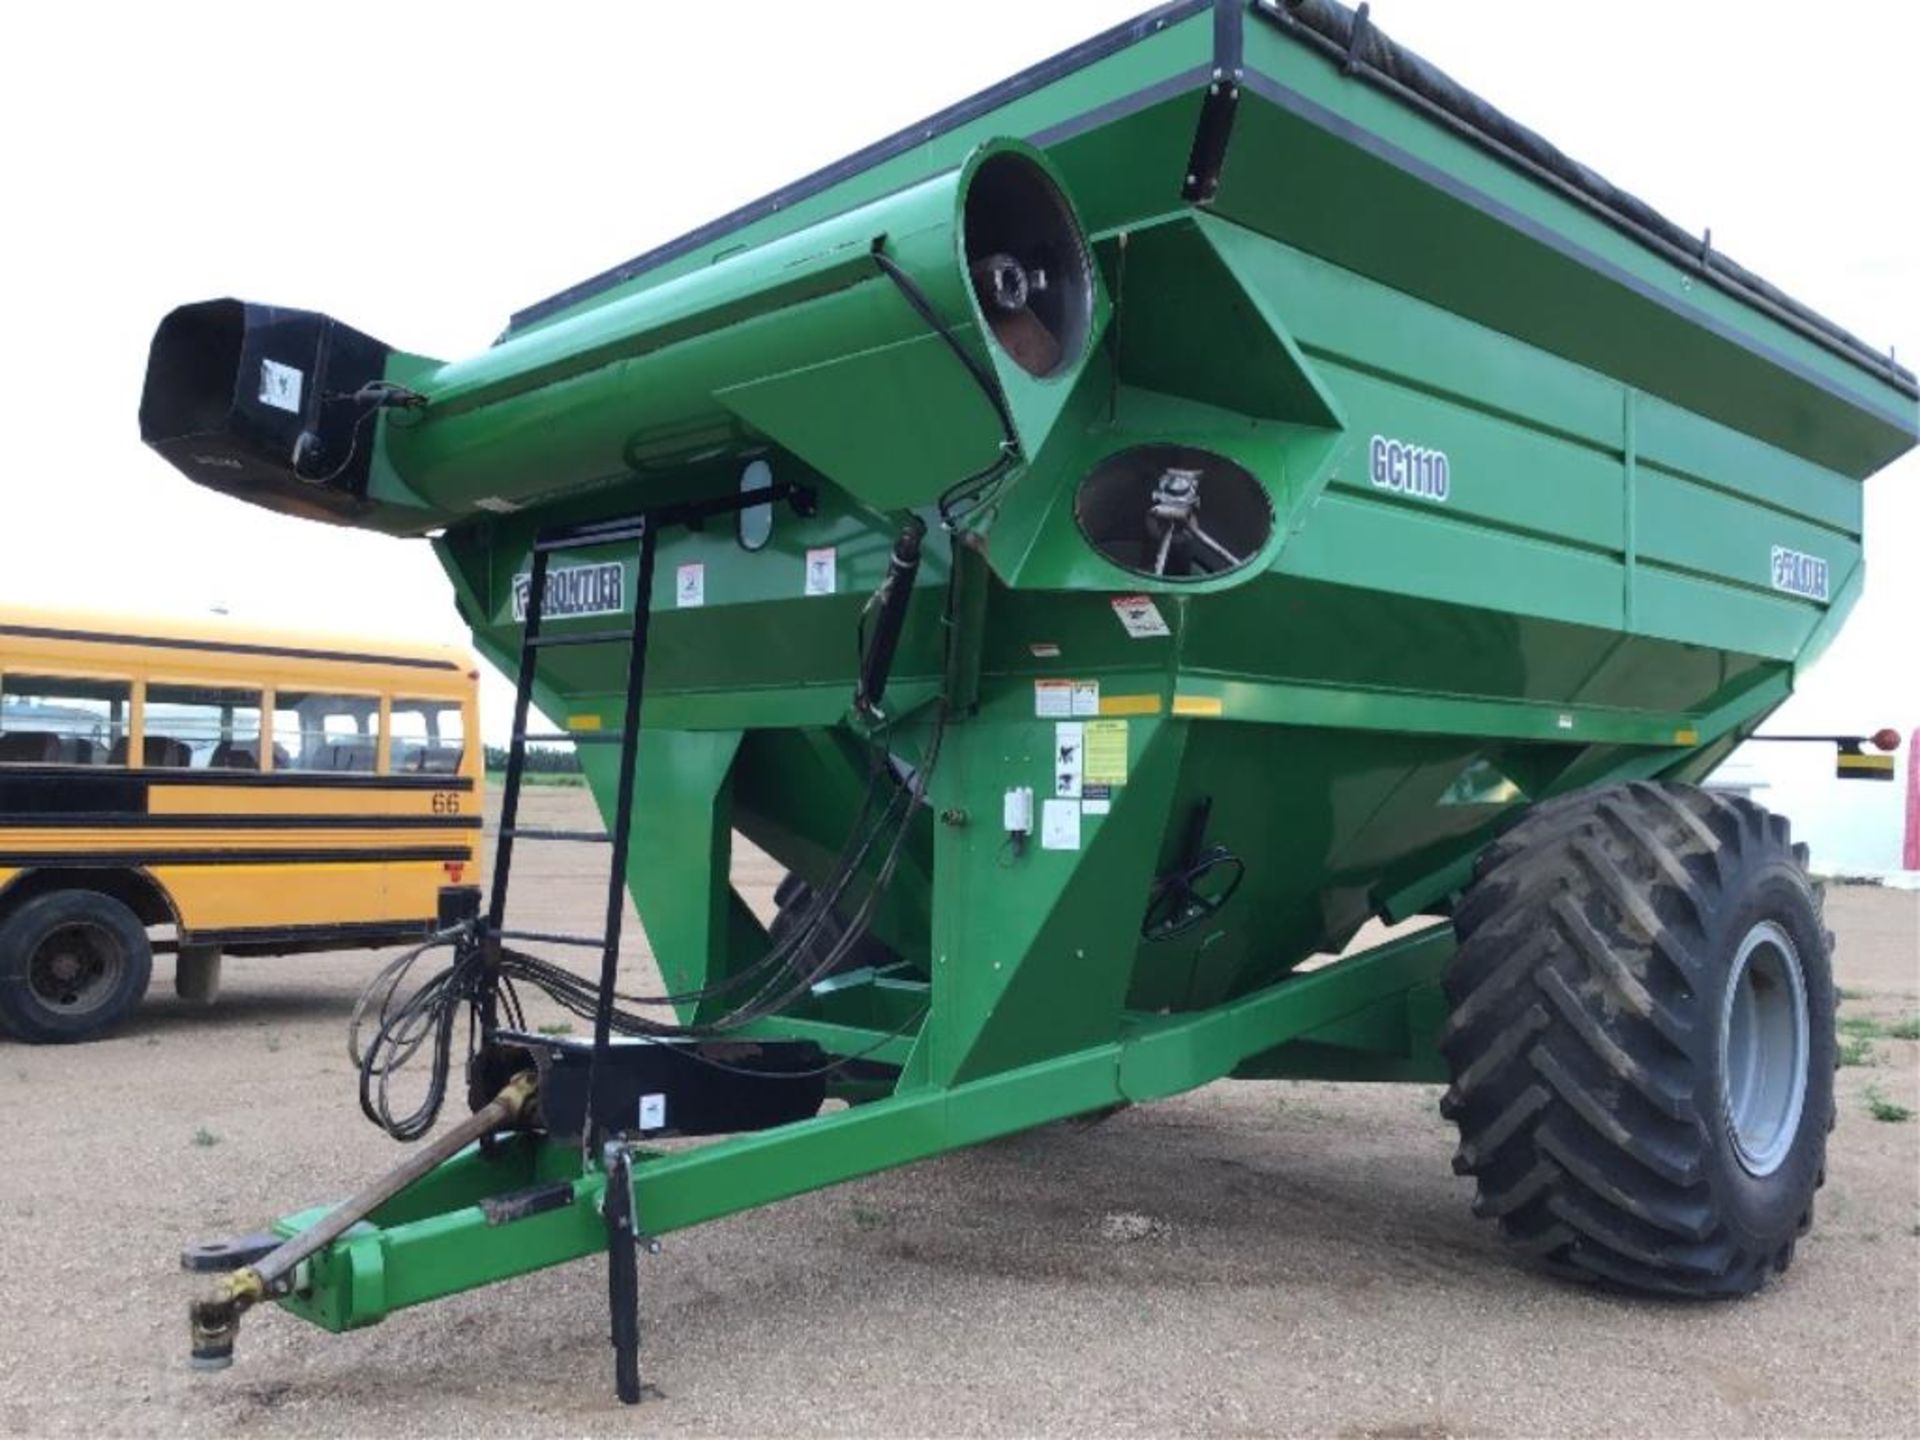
x=72, y=965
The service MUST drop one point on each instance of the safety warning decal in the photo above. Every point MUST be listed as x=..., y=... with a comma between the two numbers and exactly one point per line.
x=1069, y=754
x=690, y=586
x=1106, y=752
x=1065, y=699
x=821, y=579
x=1139, y=616
x=1060, y=825
x=280, y=386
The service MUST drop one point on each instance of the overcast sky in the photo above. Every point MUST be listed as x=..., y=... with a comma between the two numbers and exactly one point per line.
x=422, y=170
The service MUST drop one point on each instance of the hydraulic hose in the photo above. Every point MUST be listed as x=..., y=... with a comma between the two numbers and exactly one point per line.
x=890, y=600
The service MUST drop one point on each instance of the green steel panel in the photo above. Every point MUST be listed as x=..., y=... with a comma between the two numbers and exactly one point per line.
x=1679, y=606
x=1696, y=448
x=1728, y=538
x=1389, y=544
x=1507, y=475
x=1525, y=260
x=1345, y=317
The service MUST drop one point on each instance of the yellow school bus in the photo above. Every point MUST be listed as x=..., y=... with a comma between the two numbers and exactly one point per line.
x=217, y=789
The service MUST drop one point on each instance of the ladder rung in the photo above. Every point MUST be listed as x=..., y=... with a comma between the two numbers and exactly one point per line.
x=541, y=832
x=583, y=637
x=580, y=737
x=540, y=937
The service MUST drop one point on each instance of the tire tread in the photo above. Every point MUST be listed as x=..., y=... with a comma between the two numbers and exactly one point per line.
x=1575, y=1094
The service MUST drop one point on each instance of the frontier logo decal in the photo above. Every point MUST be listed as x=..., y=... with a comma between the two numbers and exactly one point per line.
x=1409, y=469
x=1797, y=574
x=575, y=590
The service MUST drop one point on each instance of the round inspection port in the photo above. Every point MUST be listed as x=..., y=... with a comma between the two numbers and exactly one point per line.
x=1174, y=512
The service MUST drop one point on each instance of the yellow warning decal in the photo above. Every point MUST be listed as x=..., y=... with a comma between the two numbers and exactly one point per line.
x=1198, y=705
x=1864, y=767
x=583, y=722
x=1129, y=704
x=1105, y=752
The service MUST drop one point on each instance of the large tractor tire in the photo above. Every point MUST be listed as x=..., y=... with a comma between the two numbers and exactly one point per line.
x=73, y=964
x=1641, y=1039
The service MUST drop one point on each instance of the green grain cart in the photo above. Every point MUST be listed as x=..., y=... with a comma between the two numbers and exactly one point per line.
x=1110, y=542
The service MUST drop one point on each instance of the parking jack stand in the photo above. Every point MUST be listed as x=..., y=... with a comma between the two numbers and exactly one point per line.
x=623, y=1273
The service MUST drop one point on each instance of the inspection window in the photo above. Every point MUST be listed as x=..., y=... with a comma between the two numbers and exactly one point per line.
x=201, y=727
x=333, y=734
x=426, y=737
x=51, y=720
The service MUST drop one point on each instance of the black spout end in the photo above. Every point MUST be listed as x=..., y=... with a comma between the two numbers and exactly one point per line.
x=262, y=403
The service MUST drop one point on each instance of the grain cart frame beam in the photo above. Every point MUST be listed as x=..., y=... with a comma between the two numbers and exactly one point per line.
x=445, y=1236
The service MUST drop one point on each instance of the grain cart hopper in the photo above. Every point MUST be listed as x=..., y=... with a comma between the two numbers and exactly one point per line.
x=1110, y=542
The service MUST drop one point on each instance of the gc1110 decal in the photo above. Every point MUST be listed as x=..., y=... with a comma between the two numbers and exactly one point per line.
x=1409, y=469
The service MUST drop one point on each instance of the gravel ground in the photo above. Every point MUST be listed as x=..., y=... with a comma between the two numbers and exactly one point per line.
x=1246, y=1259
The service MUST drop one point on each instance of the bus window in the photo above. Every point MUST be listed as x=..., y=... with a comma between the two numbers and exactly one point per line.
x=428, y=738
x=51, y=721
x=202, y=727
x=338, y=734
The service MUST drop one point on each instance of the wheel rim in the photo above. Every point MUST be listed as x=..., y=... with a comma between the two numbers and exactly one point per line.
x=1763, y=1045
x=77, y=968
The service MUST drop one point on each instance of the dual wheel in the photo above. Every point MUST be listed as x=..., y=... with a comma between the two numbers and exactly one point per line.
x=1641, y=1039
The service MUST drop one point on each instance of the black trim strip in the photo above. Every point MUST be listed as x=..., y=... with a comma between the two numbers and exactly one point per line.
x=1015, y=87
x=1210, y=140
x=1359, y=136
x=245, y=779
x=109, y=859
x=359, y=932
x=1121, y=106
x=1229, y=38
x=222, y=647
x=123, y=820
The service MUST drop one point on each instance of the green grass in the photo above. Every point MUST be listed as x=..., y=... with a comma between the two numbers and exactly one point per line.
x=557, y=1027
x=1857, y=1050
x=1844, y=993
x=1881, y=1108
x=1907, y=1029
x=205, y=1138
x=1863, y=1025
x=499, y=777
